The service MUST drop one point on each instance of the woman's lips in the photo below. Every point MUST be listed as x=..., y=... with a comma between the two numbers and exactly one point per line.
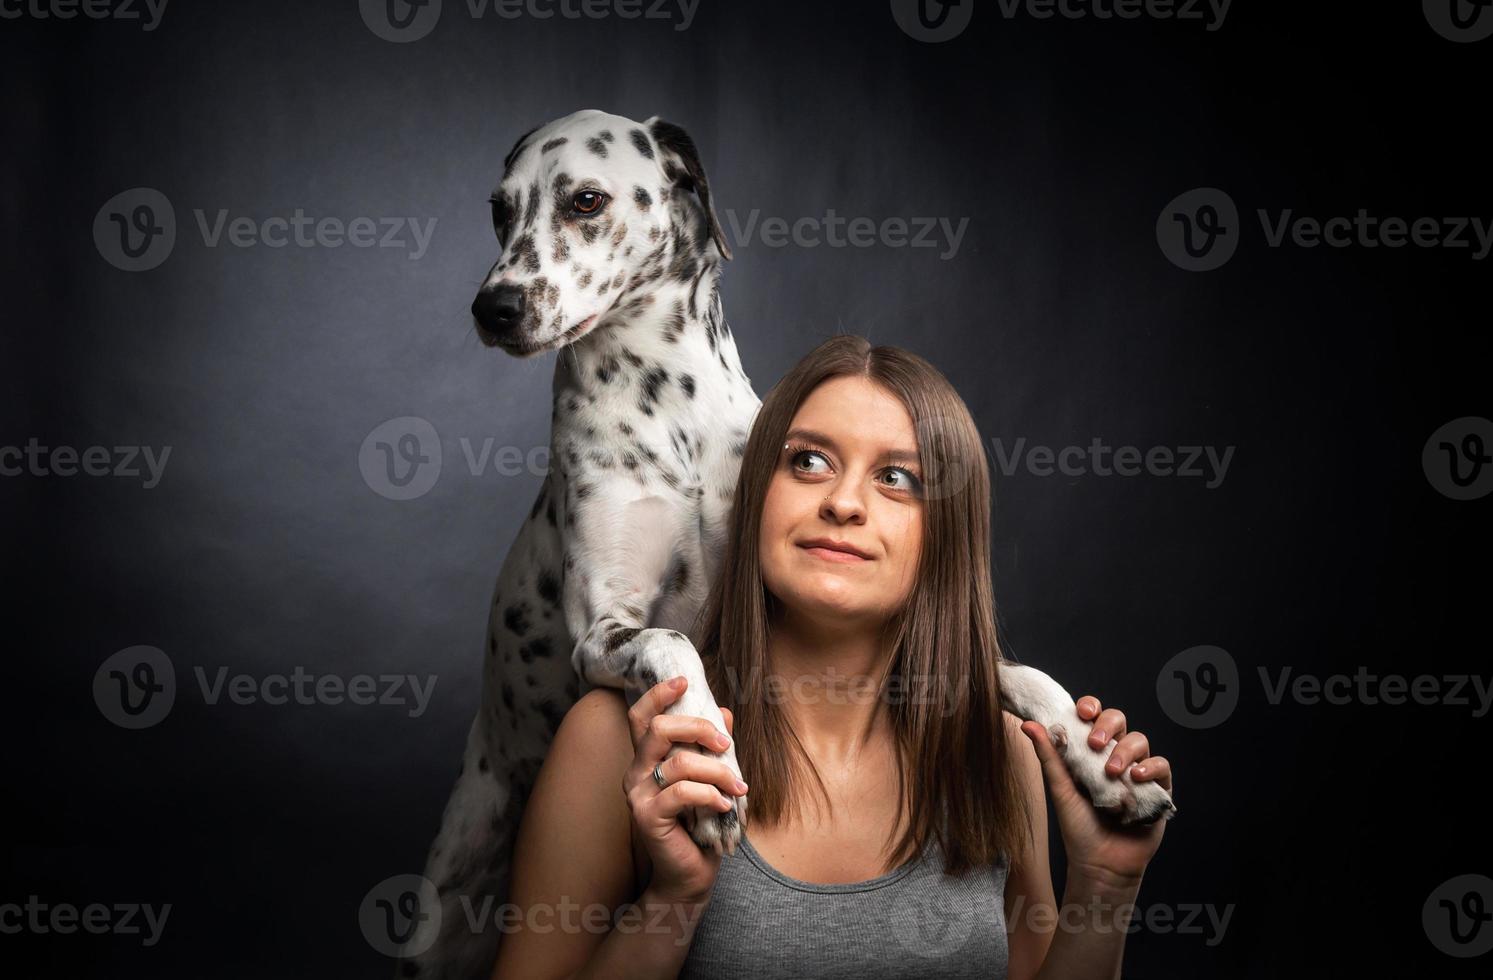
x=830, y=554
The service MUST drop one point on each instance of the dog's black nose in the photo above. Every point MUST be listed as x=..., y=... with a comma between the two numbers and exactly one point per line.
x=499, y=308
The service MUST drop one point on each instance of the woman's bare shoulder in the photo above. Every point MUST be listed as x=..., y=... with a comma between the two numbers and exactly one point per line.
x=594, y=735
x=600, y=711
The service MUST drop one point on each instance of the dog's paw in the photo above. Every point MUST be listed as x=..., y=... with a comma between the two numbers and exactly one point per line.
x=1130, y=802
x=711, y=829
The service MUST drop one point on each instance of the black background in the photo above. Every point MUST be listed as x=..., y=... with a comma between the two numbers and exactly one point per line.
x=1059, y=319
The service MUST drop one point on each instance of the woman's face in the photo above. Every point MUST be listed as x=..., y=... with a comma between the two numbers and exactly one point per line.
x=851, y=475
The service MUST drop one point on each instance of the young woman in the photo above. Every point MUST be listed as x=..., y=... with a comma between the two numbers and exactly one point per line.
x=897, y=825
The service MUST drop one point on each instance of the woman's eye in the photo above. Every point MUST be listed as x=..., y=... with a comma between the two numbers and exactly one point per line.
x=803, y=454
x=909, y=481
x=588, y=202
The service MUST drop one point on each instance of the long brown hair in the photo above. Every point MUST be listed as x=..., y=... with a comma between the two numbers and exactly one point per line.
x=962, y=790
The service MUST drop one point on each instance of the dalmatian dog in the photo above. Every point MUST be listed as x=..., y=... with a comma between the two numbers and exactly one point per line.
x=610, y=255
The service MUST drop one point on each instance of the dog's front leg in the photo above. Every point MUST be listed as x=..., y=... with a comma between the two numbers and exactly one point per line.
x=621, y=559
x=1031, y=695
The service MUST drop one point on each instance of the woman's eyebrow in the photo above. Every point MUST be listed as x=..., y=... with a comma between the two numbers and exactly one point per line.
x=813, y=435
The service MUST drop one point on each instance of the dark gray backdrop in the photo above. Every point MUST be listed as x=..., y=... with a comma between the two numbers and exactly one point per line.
x=1323, y=831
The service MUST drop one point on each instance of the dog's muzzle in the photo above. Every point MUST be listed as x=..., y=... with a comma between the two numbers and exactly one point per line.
x=499, y=309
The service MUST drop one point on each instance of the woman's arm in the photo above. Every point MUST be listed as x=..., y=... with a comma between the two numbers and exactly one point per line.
x=573, y=867
x=1079, y=941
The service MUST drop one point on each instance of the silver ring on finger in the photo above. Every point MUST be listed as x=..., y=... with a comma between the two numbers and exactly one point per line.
x=658, y=775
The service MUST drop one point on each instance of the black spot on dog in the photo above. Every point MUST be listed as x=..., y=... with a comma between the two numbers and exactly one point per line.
x=624, y=428
x=508, y=695
x=606, y=134
x=597, y=146
x=549, y=514
x=653, y=379
x=553, y=715
x=688, y=384
x=554, y=144
x=516, y=618
x=643, y=198
x=482, y=764
x=549, y=587
x=680, y=577
x=640, y=140
x=533, y=207
x=537, y=647
x=524, y=249
x=619, y=636
x=583, y=490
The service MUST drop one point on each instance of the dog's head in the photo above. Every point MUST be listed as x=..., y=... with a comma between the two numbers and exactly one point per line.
x=586, y=204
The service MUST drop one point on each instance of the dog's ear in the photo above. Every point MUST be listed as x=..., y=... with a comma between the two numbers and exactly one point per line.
x=681, y=164
x=517, y=149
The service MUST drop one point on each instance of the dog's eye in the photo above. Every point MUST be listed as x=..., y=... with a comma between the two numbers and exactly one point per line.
x=499, y=219
x=588, y=202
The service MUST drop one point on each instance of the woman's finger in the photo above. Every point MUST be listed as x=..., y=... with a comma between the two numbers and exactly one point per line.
x=671, y=801
x=1153, y=768
x=694, y=767
x=1088, y=707
x=664, y=730
x=730, y=721
x=655, y=699
x=1054, y=769
x=1133, y=746
x=1110, y=724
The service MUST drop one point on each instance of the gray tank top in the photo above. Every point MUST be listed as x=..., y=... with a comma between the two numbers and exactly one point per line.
x=913, y=921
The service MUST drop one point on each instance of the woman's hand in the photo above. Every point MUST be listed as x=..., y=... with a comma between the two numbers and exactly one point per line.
x=1096, y=844
x=682, y=872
